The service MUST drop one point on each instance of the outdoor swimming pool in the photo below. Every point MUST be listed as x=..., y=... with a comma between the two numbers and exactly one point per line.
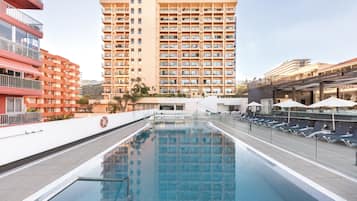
x=187, y=161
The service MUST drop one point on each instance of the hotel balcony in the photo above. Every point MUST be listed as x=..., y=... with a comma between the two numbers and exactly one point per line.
x=18, y=86
x=17, y=17
x=19, y=49
x=27, y=4
x=19, y=118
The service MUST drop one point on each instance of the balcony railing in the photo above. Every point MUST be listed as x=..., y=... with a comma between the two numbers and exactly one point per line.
x=19, y=49
x=15, y=82
x=22, y=17
x=19, y=118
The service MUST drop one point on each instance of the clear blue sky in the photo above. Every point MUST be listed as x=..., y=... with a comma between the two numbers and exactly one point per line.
x=269, y=32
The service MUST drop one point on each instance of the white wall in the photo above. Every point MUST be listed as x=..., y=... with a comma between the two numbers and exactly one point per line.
x=210, y=103
x=15, y=146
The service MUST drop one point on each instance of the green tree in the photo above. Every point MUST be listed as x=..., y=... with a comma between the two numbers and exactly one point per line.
x=83, y=100
x=242, y=89
x=138, y=89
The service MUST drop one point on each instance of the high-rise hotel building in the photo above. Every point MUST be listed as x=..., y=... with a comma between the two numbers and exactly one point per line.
x=174, y=46
x=19, y=60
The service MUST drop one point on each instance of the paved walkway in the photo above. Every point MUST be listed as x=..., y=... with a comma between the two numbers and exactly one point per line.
x=23, y=183
x=335, y=183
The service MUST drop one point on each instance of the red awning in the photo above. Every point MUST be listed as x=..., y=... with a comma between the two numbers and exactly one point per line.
x=19, y=67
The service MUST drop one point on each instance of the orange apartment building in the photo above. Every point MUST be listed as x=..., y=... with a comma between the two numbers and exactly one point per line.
x=60, y=88
x=19, y=60
x=174, y=46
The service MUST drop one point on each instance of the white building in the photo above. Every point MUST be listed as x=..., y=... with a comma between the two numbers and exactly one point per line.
x=208, y=104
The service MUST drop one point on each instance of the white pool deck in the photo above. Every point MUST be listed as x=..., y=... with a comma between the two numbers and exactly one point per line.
x=22, y=182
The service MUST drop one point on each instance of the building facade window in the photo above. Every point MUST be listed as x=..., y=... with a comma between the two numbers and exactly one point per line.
x=5, y=30
x=139, y=21
x=14, y=104
x=15, y=34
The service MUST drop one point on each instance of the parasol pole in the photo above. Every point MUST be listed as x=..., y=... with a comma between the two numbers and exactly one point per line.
x=289, y=115
x=333, y=121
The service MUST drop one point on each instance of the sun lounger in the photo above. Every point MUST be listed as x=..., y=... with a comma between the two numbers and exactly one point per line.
x=319, y=133
x=336, y=137
x=350, y=141
x=279, y=125
x=292, y=129
x=271, y=123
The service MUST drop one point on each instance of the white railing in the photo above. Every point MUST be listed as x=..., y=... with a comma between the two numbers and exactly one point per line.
x=19, y=118
x=15, y=82
x=22, y=17
x=19, y=49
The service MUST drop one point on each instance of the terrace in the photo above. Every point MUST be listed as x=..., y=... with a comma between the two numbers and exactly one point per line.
x=19, y=118
x=15, y=82
x=22, y=17
x=319, y=162
x=19, y=49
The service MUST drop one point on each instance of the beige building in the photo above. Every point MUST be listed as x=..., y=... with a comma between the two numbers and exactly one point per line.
x=287, y=68
x=174, y=46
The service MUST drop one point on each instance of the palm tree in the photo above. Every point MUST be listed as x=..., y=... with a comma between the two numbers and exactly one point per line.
x=138, y=89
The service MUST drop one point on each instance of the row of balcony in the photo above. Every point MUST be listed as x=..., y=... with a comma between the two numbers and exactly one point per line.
x=52, y=105
x=120, y=37
x=207, y=91
x=118, y=46
x=108, y=74
x=118, y=83
x=19, y=118
x=196, y=29
x=186, y=54
x=165, y=82
x=197, y=64
x=196, y=38
x=15, y=82
x=22, y=17
x=196, y=75
x=197, y=46
x=168, y=10
x=19, y=49
x=115, y=10
x=185, y=46
x=195, y=10
x=196, y=20
x=173, y=46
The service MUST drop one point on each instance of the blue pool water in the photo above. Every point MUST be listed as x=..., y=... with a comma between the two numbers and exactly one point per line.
x=187, y=162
